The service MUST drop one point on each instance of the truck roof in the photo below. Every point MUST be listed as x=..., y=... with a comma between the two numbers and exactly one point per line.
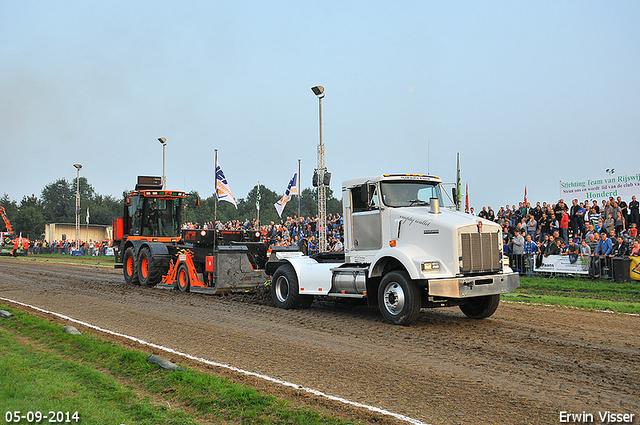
x=390, y=177
x=156, y=193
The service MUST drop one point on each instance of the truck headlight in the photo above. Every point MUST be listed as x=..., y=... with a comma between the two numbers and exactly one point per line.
x=430, y=266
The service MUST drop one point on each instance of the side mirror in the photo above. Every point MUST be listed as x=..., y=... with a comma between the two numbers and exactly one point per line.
x=454, y=192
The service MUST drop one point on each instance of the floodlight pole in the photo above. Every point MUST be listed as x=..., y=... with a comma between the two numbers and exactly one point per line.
x=78, y=167
x=164, y=146
x=322, y=194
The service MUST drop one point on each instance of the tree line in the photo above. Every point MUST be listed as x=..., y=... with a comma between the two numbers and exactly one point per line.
x=57, y=204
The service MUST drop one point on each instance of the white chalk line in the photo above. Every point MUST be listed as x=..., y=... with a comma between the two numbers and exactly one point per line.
x=229, y=367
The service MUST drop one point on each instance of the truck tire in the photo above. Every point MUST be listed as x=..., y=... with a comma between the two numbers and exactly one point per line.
x=150, y=269
x=182, y=278
x=285, y=289
x=129, y=267
x=399, y=298
x=481, y=307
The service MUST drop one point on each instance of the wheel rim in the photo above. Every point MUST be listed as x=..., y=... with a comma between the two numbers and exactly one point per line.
x=182, y=278
x=394, y=298
x=144, y=267
x=130, y=266
x=282, y=289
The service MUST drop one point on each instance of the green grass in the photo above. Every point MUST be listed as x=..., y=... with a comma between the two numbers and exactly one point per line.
x=44, y=369
x=77, y=259
x=589, y=294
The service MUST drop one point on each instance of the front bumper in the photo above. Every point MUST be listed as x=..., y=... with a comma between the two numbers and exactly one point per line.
x=474, y=286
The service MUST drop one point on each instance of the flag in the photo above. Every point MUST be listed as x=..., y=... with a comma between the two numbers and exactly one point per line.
x=466, y=199
x=258, y=198
x=292, y=189
x=87, y=215
x=525, y=194
x=223, y=192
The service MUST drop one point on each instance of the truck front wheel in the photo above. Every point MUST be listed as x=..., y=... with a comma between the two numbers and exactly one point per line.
x=399, y=298
x=285, y=289
x=481, y=307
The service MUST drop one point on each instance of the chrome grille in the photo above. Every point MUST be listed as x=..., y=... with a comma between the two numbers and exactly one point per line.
x=480, y=252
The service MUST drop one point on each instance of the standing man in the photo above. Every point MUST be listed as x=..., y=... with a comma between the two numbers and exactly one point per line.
x=573, y=217
x=603, y=249
x=634, y=211
x=530, y=251
x=517, y=247
x=564, y=225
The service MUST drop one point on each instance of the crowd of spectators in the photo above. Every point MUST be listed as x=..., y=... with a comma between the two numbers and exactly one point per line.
x=67, y=247
x=585, y=231
x=289, y=232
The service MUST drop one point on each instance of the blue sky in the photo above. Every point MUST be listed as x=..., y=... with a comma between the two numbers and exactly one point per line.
x=529, y=93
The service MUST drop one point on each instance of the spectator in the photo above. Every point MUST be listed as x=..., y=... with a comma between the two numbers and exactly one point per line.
x=517, y=247
x=603, y=249
x=564, y=225
x=573, y=251
x=635, y=251
x=552, y=247
x=609, y=223
x=532, y=226
x=620, y=224
x=530, y=251
x=634, y=211
x=585, y=251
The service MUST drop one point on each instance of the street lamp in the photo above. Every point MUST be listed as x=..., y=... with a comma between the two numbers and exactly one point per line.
x=164, y=146
x=78, y=167
x=319, y=178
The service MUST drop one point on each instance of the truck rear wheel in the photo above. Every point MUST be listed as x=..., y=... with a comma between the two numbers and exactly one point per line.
x=481, y=307
x=285, y=289
x=183, y=279
x=129, y=266
x=399, y=298
x=150, y=269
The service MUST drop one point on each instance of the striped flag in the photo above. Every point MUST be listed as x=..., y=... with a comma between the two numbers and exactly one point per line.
x=466, y=199
x=293, y=188
x=222, y=186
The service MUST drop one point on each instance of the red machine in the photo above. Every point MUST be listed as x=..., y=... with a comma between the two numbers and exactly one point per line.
x=153, y=249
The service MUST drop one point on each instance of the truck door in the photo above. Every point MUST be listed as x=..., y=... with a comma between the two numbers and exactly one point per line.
x=366, y=224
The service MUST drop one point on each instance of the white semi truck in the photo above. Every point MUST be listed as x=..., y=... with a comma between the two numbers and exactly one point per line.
x=402, y=252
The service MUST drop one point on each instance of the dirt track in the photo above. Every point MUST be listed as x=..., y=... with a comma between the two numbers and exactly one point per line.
x=525, y=364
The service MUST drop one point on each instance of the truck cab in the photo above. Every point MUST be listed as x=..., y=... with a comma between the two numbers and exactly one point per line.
x=404, y=250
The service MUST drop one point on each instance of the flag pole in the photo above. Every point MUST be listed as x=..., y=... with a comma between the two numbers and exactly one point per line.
x=258, y=206
x=215, y=177
x=299, y=188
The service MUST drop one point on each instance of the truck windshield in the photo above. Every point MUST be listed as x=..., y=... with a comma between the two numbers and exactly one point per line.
x=407, y=194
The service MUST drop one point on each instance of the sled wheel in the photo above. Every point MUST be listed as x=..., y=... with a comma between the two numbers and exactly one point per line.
x=183, y=279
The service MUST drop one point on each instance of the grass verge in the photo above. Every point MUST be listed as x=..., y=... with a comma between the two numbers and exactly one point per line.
x=589, y=294
x=76, y=259
x=44, y=369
